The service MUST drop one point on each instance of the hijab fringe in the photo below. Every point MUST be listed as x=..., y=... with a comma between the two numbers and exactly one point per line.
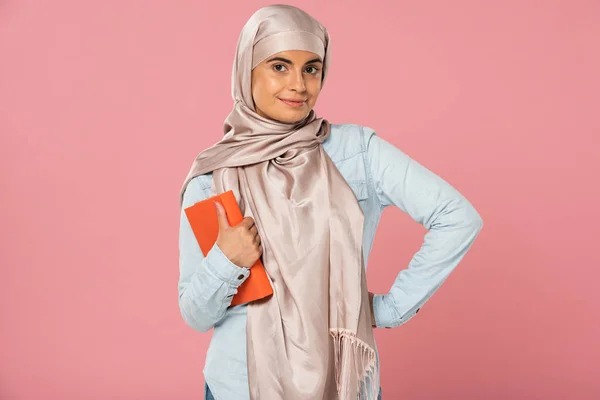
x=354, y=357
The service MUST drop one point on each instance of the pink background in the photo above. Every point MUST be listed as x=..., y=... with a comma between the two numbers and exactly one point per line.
x=103, y=106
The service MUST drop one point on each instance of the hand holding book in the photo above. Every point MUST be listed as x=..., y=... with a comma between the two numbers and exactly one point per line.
x=237, y=237
x=240, y=243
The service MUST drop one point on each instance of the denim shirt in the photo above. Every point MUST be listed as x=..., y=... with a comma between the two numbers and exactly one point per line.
x=380, y=175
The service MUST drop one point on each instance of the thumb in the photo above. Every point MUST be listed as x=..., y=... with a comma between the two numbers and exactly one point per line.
x=221, y=216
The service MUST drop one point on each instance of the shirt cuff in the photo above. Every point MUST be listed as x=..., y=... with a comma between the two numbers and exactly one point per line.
x=385, y=314
x=218, y=263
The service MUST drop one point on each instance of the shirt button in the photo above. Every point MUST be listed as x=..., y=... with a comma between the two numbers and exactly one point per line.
x=241, y=277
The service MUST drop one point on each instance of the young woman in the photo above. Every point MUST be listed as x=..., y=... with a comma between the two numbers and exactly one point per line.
x=312, y=194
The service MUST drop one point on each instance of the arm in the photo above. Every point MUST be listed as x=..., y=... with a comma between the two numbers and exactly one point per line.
x=206, y=284
x=451, y=221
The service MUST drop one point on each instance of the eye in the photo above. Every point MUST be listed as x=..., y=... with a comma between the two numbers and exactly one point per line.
x=279, y=67
x=312, y=70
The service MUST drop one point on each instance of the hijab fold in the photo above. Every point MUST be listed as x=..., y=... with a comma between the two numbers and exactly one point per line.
x=312, y=339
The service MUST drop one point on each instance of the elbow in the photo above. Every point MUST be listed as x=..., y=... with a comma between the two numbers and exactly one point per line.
x=460, y=214
x=474, y=220
x=193, y=316
x=477, y=222
x=199, y=326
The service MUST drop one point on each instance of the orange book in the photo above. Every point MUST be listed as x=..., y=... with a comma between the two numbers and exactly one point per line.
x=205, y=225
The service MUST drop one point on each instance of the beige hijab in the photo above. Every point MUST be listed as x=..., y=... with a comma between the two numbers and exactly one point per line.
x=313, y=338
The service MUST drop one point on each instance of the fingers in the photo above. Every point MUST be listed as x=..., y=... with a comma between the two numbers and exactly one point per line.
x=256, y=239
x=248, y=222
x=221, y=216
x=250, y=225
x=253, y=230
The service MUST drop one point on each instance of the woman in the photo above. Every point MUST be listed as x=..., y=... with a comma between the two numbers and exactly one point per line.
x=312, y=194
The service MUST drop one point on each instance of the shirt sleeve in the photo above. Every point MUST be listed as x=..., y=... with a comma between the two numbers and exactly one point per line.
x=206, y=284
x=452, y=225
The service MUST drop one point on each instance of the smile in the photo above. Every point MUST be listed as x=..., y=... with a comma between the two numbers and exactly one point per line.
x=294, y=103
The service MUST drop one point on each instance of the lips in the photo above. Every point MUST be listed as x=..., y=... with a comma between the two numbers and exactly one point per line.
x=293, y=102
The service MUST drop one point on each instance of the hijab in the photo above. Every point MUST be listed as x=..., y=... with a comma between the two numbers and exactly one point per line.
x=312, y=339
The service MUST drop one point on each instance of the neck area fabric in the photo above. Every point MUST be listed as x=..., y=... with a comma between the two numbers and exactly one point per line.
x=312, y=339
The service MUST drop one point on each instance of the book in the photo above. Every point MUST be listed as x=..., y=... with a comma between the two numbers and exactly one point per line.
x=205, y=225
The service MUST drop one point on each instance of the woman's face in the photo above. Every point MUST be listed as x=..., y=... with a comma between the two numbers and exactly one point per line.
x=286, y=85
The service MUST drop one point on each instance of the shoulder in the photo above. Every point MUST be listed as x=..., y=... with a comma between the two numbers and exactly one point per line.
x=197, y=189
x=347, y=140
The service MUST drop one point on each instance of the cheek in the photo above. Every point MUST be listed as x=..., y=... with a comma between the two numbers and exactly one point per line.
x=265, y=90
x=314, y=89
x=271, y=88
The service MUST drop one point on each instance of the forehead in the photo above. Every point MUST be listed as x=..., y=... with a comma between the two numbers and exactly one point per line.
x=296, y=56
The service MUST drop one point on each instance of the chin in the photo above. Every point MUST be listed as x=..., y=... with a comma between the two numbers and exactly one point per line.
x=290, y=117
x=291, y=120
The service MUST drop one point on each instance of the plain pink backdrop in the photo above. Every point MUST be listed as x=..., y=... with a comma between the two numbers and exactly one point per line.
x=103, y=106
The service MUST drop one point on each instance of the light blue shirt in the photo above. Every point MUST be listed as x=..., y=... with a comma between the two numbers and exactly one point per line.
x=380, y=175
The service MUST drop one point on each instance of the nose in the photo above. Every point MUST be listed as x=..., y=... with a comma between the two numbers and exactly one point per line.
x=297, y=82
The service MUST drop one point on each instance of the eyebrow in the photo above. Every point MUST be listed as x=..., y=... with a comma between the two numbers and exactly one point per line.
x=285, y=60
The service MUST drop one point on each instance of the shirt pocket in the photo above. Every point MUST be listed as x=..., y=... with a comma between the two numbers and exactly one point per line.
x=361, y=191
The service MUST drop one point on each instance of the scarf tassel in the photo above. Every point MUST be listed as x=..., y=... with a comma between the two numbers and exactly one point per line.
x=355, y=364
